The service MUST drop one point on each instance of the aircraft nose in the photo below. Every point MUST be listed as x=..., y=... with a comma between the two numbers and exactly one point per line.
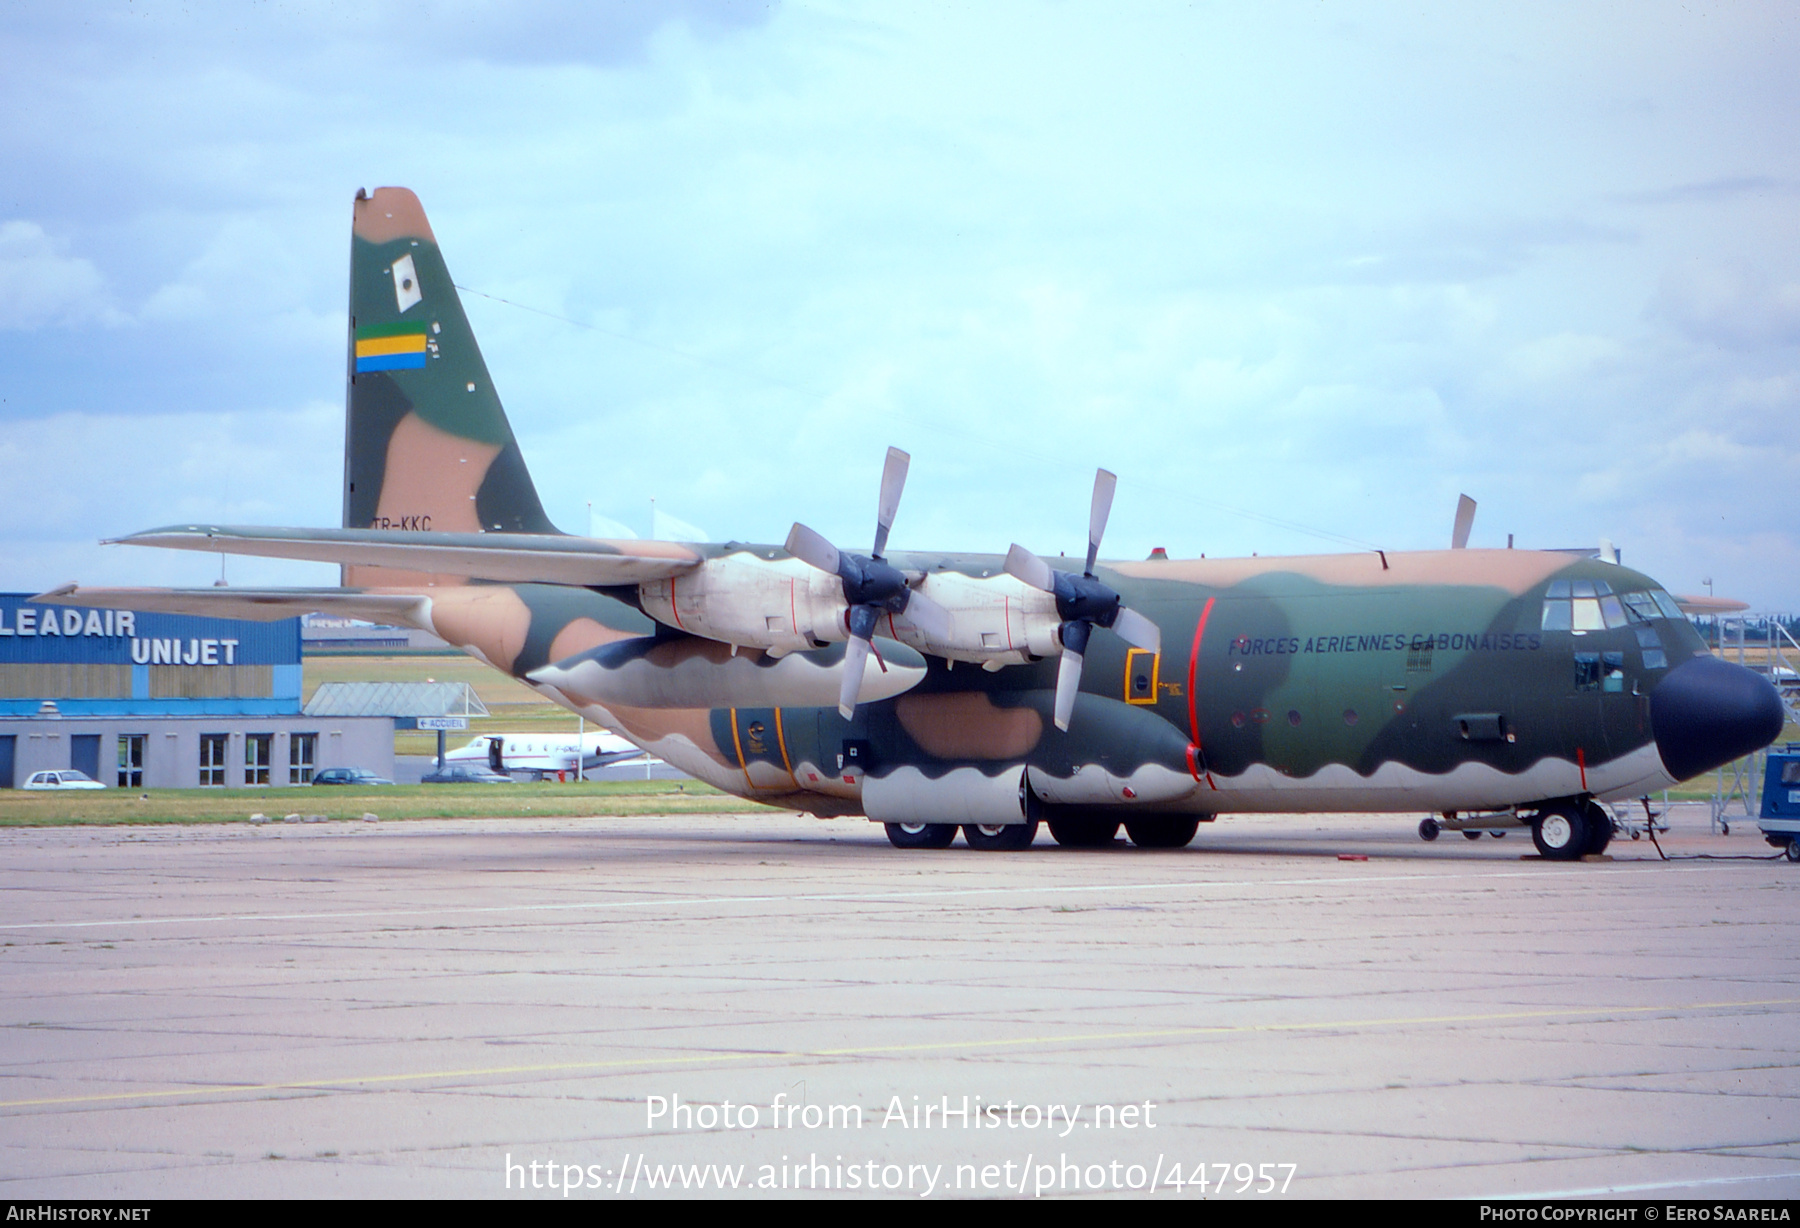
x=1708, y=712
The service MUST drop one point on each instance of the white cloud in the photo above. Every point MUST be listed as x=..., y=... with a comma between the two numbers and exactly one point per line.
x=40, y=286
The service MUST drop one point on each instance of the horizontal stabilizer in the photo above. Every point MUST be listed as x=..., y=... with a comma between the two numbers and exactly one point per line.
x=252, y=604
x=524, y=558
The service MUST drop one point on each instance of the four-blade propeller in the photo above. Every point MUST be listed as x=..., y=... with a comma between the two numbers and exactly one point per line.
x=871, y=587
x=1082, y=602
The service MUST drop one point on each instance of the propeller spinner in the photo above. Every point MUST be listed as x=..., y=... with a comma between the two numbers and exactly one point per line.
x=871, y=587
x=1082, y=602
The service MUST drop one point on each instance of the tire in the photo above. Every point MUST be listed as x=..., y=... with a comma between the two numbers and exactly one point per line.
x=1793, y=850
x=1082, y=832
x=1429, y=829
x=1471, y=834
x=1006, y=838
x=1600, y=829
x=1172, y=832
x=1561, y=832
x=920, y=835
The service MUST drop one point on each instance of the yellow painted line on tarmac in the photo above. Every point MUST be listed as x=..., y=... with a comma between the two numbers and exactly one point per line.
x=958, y=1046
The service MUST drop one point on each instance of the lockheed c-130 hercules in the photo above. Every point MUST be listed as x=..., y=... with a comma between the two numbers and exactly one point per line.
x=937, y=692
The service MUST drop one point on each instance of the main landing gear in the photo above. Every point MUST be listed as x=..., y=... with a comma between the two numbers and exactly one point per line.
x=920, y=835
x=1000, y=837
x=1075, y=829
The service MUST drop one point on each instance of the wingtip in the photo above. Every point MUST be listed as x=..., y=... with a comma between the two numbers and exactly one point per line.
x=62, y=590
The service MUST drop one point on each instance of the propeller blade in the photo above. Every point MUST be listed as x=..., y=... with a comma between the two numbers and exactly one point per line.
x=928, y=616
x=1022, y=564
x=893, y=481
x=809, y=547
x=856, y=660
x=1068, y=685
x=1137, y=630
x=1105, y=481
x=1465, y=520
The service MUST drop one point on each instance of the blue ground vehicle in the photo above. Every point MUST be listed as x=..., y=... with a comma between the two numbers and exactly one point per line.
x=1780, y=817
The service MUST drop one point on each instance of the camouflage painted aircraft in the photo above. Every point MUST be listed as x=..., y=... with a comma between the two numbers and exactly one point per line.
x=986, y=693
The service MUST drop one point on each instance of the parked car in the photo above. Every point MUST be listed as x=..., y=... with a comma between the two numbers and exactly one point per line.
x=62, y=780
x=465, y=774
x=349, y=776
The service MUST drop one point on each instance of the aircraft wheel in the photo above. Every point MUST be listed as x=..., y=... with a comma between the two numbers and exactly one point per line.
x=1429, y=829
x=1000, y=837
x=1471, y=835
x=920, y=835
x=1161, y=833
x=1724, y=829
x=1498, y=835
x=1560, y=833
x=1600, y=829
x=1082, y=832
x=1793, y=850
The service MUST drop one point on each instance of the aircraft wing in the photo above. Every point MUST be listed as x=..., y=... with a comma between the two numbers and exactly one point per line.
x=516, y=557
x=253, y=604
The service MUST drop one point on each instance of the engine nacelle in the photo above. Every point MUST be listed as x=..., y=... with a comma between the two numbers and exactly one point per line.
x=783, y=605
x=746, y=599
x=996, y=620
x=698, y=673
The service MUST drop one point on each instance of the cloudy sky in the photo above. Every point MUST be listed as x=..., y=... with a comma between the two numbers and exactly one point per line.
x=1299, y=273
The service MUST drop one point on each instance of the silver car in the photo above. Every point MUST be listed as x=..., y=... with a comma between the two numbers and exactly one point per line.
x=68, y=779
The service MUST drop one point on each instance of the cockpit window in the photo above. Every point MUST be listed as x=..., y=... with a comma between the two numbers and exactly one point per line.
x=1591, y=605
x=1587, y=612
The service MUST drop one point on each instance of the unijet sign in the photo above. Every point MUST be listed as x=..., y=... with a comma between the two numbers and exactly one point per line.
x=43, y=633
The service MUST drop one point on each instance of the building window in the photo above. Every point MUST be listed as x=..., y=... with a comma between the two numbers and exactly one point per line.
x=131, y=760
x=302, y=747
x=212, y=758
x=256, y=757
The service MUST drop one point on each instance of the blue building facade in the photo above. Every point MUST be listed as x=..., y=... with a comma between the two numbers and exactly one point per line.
x=137, y=699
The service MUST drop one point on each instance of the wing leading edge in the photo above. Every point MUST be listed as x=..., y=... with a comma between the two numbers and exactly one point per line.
x=509, y=557
x=252, y=604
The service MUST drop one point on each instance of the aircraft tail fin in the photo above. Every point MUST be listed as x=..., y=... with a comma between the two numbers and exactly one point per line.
x=426, y=444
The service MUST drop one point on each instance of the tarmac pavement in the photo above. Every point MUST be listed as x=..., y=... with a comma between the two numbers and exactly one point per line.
x=444, y=1009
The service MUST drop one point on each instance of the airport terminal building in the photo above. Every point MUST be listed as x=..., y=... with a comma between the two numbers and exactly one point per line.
x=143, y=700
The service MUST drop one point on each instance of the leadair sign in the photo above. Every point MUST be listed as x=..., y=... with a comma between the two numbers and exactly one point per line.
x=31, y=634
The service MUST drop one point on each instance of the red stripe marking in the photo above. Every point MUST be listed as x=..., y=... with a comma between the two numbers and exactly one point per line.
x=1193, y=701
x=793, y=616
x=672, y=607
x=1581, y=762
